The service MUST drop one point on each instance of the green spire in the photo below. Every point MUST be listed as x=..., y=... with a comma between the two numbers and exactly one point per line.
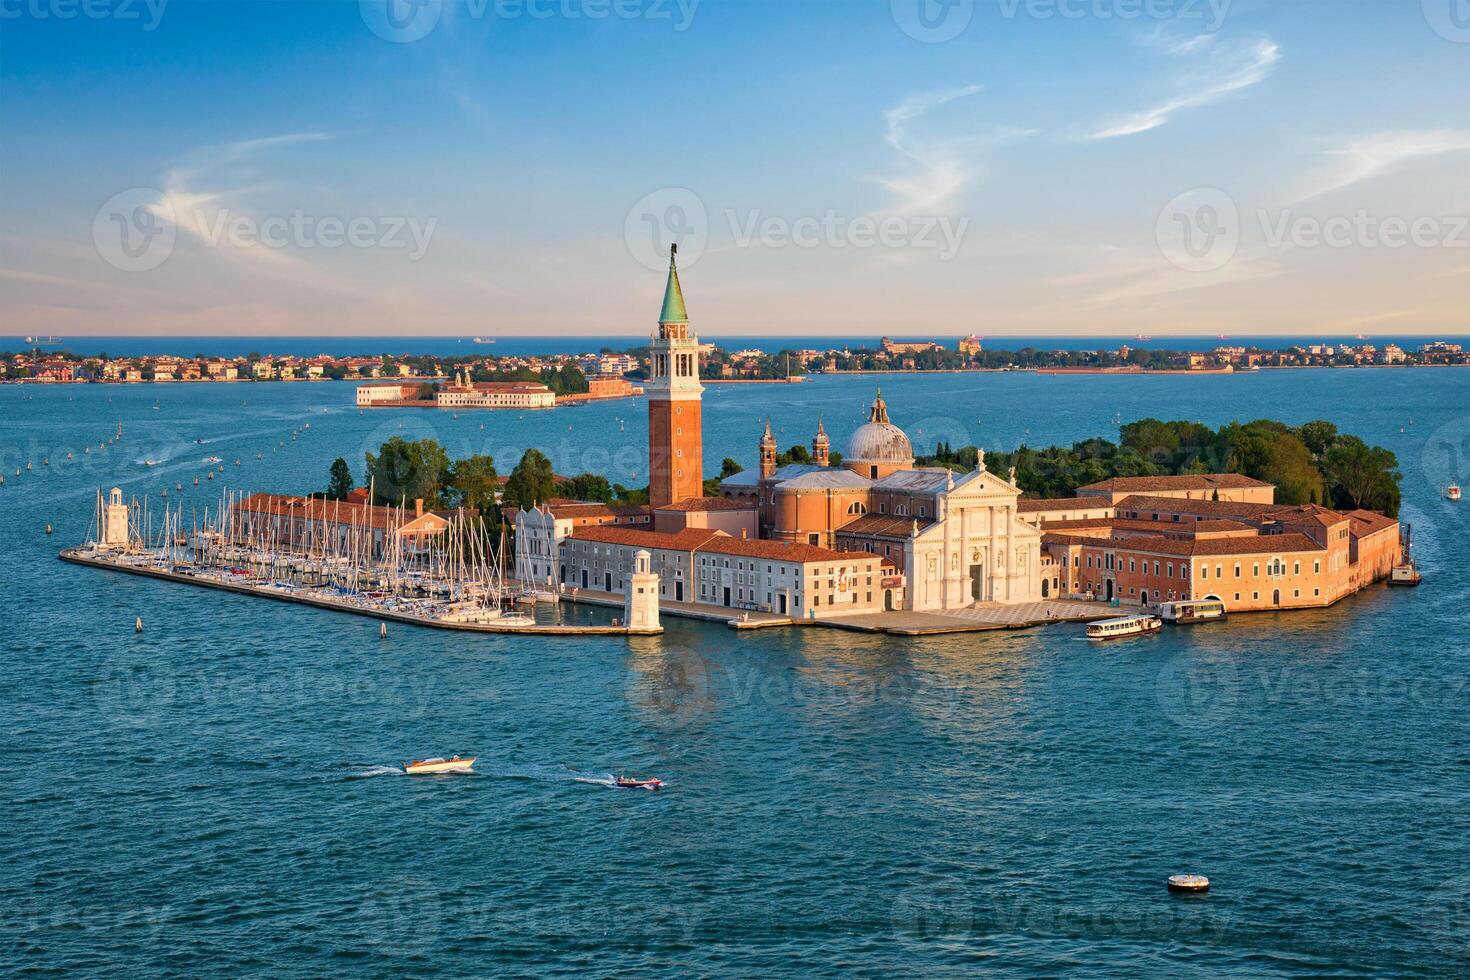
x=673, y=311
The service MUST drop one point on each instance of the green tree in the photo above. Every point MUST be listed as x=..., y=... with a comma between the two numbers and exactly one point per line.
x=473, y=482
x=586, y=486
x=1364, y=476
x=404, y=471
x=339, y=482
x=531, y=482
x=1319, y=436
x=728, y=468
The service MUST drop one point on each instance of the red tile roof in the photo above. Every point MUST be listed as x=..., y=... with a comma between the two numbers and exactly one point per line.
x=1028, y=505
x=780, y=551
x=1192, y=481
x=687, y=539
x=704, y=504
x=883, y=526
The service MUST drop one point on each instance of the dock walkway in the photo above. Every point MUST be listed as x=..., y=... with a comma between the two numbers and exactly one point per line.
x=76, y=557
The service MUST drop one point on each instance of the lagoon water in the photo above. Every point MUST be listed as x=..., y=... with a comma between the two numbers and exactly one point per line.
x=220, y=795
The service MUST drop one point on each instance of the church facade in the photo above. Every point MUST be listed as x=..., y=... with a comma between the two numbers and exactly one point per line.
x=950, y=539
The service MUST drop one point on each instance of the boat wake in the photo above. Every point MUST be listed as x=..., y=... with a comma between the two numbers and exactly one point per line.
x=555, y=774
x=376, y=771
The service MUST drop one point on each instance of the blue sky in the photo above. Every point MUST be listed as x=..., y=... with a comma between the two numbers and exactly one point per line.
x=996, y=166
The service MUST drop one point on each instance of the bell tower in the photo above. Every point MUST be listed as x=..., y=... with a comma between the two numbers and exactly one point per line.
x=768, y=453
x=821, y=445
x=675, y=438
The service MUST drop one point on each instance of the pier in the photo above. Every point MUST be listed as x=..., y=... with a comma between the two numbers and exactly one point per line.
x=307, y=597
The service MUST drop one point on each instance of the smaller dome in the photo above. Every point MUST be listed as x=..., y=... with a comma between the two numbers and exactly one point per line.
x=880, y=441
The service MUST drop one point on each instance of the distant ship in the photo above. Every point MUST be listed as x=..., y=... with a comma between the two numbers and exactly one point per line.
x=44, y=341
x=1143, y=336
x=484, y=340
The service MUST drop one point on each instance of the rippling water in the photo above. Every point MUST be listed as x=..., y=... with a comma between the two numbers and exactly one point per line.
x=222, y=794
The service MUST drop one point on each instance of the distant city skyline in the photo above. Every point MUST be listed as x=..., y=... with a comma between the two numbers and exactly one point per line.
x=912, y=168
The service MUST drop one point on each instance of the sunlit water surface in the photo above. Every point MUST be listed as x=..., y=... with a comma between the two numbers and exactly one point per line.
x=222, y=794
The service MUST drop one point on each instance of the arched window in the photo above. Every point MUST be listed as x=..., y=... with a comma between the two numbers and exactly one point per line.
x=856, y=507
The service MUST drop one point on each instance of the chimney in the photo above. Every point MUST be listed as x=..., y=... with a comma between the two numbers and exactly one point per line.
x=418, y=507
x=743, y=534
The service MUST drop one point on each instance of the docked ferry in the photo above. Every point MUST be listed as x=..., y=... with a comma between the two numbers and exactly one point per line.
x=1121, y=626
x=1187, y=611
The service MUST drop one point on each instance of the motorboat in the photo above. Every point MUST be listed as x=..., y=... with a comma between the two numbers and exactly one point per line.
x=453, y=764
x=1121, y=626
x=1452, y=492
x=628, y=782
x=213, y=459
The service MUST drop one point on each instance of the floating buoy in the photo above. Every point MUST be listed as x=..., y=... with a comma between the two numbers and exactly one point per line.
x=196, y=481
x=179, y=487
x=46, y=461
x=48, y=528
x=1189, y=883
x=383, y=631
x=138, y=625
x=211, y=474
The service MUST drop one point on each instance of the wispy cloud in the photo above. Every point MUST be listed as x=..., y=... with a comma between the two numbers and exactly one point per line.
x=1381, y=152
x=936, y=172
x=1227, y=70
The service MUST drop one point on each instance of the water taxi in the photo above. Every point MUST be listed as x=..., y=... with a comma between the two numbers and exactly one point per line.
x=1121, y=626
x=455, y=764
x=1452, y=492
x=1186, y=611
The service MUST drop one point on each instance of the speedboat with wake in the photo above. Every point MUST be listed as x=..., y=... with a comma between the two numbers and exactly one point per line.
x=628, y=782
x=455, y=764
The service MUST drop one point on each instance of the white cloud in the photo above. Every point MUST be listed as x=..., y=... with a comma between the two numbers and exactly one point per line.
x=1381, y=152
x=936, y=171
x=1227, y=71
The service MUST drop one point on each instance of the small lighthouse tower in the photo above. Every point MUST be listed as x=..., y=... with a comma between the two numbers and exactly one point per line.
x=640, y=606
x=114, y=529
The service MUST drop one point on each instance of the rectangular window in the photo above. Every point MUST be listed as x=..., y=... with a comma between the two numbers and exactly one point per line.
x=1255, y=570
x=1237, y=573
x=1296, y=568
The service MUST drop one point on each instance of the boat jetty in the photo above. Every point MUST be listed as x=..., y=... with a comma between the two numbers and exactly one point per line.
x=426, y=568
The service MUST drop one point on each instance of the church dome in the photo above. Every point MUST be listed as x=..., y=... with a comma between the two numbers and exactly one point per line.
x=880, y=441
